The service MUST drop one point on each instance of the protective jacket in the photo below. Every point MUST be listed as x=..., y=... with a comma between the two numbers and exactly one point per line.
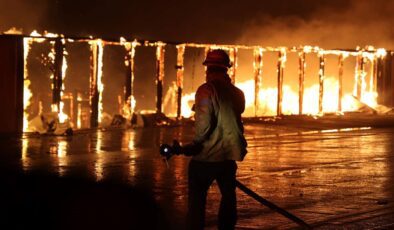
x=218, y=126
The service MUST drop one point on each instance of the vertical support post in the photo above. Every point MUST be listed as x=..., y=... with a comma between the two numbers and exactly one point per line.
x=71, y=100
x=80, y=121
x=129, y=80
x=321, y=81
x=75, y=101
x=179, y=78
x=301, y=79
x=12, y=84
x=206, y=50
x=57, y=74
x=380, y=78
x=360, y=74
x=94, y=92
x=390, y=84
x=258, y=77
x=27, y=94
x=234, y=61
x=340, y=81
x=159, y=76
x=128, y=88
x=280, y=72
x=374, y=74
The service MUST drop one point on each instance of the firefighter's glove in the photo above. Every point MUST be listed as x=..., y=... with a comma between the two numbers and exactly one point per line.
x=177, y=148
x=192, y=149
x=187, y=150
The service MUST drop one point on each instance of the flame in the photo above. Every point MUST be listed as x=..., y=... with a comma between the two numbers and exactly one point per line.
x=62, y=116
x=50, y=35
x=267, y=97
x=129, y=107
x=381, y=53
x=37, y=37
x=35, y=34
x=234, y=61
x=79, y=111
x=97, y=47
x=13, y=30
x=27, y=94
x=186, y=103
x=130, y=103
x=160, y=59
x=267, y=103
x=100, y=85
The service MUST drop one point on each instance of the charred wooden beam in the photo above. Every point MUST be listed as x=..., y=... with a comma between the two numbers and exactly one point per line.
x=179, y=78
x=159, y=77
x=380, y=73
x=301, y=79
x=234, y=61
x=58, y=73
x=360, y=74
x=128, y=88
x=386, y=86
x=258, y=77
x=340, y=81
x=374, y=75
x=280, y=72
x=321, y=81
x=94, y=92
x=129, y=78
x=391, y=86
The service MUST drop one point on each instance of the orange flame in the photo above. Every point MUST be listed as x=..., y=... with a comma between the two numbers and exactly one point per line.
x=27, y=94
x=267, y=97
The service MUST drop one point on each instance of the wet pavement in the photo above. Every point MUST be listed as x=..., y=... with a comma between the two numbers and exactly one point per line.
x=115, y=179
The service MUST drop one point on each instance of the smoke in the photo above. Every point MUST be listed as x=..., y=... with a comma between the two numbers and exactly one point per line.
x=357, y=23
x=340, y=25
x=326, y=23
x=329, y=24
x=22, y=14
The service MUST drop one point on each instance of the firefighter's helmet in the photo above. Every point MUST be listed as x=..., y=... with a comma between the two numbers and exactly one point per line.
x=217, y=57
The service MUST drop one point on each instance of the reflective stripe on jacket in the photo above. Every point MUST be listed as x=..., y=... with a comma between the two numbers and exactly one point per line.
x=218, y=126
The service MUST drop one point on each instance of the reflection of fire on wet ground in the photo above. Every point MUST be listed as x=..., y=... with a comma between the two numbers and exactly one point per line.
x=321, y=175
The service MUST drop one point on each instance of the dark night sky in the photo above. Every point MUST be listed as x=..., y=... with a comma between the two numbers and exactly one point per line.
x=331, y=23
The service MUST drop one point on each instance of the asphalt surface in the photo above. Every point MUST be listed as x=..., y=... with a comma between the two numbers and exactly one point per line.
x=115, y=179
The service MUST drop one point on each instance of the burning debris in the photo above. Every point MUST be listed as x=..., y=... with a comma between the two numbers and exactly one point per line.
x=50, y=124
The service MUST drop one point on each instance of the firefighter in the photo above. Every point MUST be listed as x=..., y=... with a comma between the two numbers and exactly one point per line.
x=218, y=142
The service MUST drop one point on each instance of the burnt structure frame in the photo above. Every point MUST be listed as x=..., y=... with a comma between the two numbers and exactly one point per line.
x=383, y=69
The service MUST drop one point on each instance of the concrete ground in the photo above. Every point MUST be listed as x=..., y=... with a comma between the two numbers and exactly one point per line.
x=115, y=179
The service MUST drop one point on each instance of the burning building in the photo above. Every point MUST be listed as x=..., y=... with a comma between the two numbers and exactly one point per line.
x=341, y=80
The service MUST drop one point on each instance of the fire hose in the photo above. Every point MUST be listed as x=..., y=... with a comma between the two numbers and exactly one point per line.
x=166, y=151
